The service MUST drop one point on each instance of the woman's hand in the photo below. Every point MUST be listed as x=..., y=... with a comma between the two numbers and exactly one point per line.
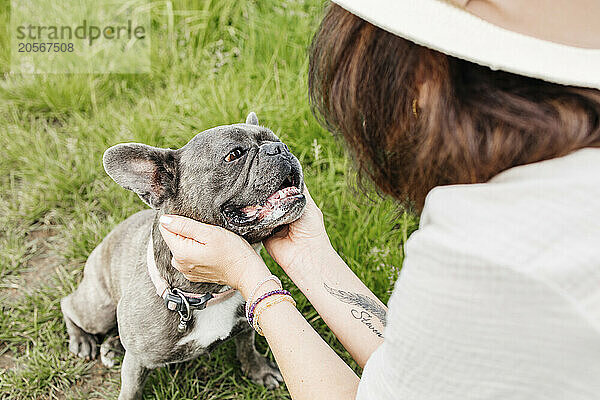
x=208, y=253
x=297, y=246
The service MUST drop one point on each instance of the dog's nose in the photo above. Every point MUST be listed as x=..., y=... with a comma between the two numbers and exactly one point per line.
x=272, y=149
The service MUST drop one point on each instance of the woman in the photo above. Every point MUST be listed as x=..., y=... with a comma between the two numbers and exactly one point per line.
x=499, y=295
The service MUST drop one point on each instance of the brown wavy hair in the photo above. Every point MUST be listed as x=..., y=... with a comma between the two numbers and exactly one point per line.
x=414, y=118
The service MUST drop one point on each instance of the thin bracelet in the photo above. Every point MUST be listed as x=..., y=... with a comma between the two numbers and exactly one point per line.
x=261, y=298
x=258, y=285
x=276, y=300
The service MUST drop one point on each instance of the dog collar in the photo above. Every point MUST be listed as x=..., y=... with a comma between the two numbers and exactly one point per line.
x=178, y=300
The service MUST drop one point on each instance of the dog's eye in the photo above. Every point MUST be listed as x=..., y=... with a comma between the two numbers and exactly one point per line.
x=235, y=154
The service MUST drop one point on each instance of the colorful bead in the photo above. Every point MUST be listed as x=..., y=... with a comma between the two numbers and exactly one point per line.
x=261, y=298
x=258, y=285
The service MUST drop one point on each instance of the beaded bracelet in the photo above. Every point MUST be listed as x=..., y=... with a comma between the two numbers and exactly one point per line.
x=258, y=285
x=263, y=306
x=261, y=298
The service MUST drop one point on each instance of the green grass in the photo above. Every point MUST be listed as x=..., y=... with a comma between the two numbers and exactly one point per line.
x=212, y=63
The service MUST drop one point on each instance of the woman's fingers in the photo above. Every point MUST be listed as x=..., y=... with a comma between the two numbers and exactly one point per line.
x=178, y=244
x=194, y=273
x=184, y=269
x=187, y=227
x=184, y=236
x=177, y=266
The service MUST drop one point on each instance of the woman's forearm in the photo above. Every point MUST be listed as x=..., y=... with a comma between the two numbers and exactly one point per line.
x=311, y=369
x=347, y=306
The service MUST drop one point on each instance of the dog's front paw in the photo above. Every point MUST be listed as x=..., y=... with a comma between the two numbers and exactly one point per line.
x=83, y=345
x=110, y=350
x=264, y=372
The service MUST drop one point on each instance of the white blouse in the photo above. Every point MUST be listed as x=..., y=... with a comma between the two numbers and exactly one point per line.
x=499, y=295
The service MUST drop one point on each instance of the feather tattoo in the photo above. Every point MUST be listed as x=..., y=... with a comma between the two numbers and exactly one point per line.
x=359, y=300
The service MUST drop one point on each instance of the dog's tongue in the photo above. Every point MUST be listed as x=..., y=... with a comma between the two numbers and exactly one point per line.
x=251, y=211
x=271, y=203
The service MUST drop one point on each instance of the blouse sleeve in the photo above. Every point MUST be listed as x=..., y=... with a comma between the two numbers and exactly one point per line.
x=465, y=323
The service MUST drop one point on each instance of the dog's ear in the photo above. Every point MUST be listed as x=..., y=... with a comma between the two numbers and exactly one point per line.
x=151, y=172
x=252, y=119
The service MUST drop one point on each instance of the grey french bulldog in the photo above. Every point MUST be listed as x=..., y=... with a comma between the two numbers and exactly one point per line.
x=241, y=177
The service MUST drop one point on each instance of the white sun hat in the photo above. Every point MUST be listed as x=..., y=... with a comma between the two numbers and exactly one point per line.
x=554, y=40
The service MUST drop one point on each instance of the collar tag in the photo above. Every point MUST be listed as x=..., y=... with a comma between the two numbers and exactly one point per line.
x=174, y=301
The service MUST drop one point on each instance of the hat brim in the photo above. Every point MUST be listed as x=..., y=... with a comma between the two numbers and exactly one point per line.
x=444, y=27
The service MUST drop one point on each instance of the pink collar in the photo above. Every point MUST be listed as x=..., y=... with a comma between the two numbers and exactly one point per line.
x=163, y=289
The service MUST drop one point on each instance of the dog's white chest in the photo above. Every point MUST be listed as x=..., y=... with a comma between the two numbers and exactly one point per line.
x=214, y=322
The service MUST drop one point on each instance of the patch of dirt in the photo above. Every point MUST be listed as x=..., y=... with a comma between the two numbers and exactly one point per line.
x=8, y=357
x=41, y=234
x=7, y=361
x=92, y=386
x=39, y=267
